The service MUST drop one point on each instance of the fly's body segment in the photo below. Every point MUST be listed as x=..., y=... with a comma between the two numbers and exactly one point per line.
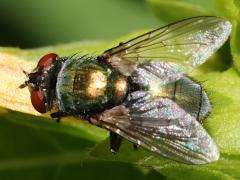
x=89, y=87
x=138, y=90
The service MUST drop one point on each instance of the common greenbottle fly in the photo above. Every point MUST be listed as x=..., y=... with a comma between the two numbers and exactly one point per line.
x=139, y=89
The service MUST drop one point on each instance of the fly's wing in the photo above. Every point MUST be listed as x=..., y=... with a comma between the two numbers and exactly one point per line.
x=188, y=43
x=161, y=126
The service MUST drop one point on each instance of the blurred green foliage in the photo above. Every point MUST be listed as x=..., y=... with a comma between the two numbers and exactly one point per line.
x=28, y=23
x=37, y=148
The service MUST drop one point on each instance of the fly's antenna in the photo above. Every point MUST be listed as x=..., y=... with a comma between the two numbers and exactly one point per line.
x=26, y=82
x=23, y=85
x=25, y=72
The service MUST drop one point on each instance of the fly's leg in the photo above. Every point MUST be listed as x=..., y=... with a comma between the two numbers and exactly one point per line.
x=58, y=115
x=135, y=146
x=88, y=118
x=115, y=139
x=115, y=142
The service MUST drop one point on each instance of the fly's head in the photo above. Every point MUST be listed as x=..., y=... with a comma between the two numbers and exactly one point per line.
x=42, y=82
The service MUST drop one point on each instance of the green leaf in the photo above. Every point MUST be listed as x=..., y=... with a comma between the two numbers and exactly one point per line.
x=34, y=146
x=225, y=168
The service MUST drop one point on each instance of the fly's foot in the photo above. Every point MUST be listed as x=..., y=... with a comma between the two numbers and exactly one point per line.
x=135, y=147
x=115, y=142
x=58, y=116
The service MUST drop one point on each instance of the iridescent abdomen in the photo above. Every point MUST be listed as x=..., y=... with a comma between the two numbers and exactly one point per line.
x=189, y=95
x=87, y=86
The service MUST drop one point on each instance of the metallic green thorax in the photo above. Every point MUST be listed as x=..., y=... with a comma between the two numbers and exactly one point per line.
x=86, y=86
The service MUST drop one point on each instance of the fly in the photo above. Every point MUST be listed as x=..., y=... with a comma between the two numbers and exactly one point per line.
x=138, y=90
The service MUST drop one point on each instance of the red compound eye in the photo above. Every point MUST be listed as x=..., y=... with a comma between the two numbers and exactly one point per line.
x=38, y=101
x=47, y=60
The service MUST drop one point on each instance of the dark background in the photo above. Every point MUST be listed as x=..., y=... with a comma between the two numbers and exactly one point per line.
x=34, y=23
